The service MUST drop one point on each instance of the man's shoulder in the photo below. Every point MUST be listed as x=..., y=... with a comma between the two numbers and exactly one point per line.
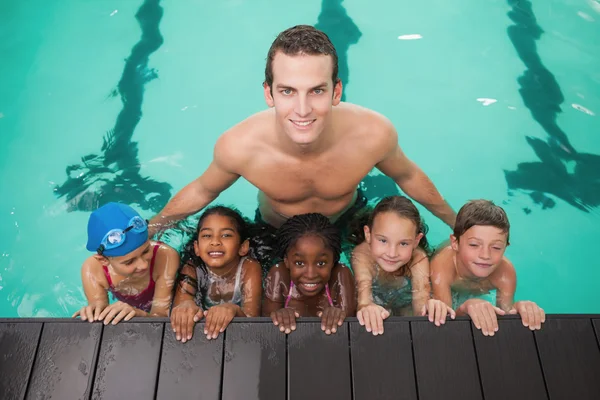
x=241, y=141
x=363, y=122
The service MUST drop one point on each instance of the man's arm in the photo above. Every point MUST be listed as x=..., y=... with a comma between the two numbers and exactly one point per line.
x=413, y=181
x=198, y=194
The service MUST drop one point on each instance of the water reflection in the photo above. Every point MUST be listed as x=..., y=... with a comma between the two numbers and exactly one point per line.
x=561, y=171
x=114, y=175
x=343, y=32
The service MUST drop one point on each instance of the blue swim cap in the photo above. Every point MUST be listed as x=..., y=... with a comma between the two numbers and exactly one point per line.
x=115, y=216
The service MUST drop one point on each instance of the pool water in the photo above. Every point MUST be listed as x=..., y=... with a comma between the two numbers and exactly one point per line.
x=496, y=99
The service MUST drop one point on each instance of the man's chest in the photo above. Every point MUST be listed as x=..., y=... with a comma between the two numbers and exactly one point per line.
x=291, y=180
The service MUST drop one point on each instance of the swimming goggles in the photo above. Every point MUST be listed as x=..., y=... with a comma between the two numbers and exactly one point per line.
x=116, y=237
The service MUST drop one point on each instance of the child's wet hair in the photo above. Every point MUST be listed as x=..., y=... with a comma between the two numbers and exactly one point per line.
x=481, y=212
x=242, y=226
x=400, y=205
x=188, y=255
x=312, y=224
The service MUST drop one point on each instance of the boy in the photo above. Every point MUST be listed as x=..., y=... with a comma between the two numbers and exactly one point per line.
x=474, y=264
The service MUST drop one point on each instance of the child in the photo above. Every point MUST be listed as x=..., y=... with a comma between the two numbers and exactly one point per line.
x=474, y=264
x=310, y=281
x=139, y=272
x=391, y=266
x=217, y=280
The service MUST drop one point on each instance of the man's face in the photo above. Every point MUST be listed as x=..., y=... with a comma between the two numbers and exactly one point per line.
x=303, y=95
x=480, y=249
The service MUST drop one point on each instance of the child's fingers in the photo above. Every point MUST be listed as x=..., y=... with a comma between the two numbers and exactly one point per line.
x=367, y=318
x=181, y=328
x=452, y=313
x=274, y=318
x=475, y=318
x=543, y=315
x=424, y=310
x=438, y=313
x=492, y=321
x=89, y=313
x=538, y=317
x=443, y=313
x=120, y=315
x=530, y=316
x=111, y=314
x=499, y=311
x=361, y=320
x=97, y=311
x=76, y=314
x=208, y=319
x=104, y=313
x=198, y=316
x=130, y=315
x=379, y=322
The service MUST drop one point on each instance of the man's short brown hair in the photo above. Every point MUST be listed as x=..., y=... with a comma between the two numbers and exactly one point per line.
x=481, y=212
x=301, y=39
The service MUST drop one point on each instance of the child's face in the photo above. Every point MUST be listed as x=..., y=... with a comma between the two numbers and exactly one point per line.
x=135, y=263
x=480, y=249
x=392, y=240
x=218, y=243
x=310, y=262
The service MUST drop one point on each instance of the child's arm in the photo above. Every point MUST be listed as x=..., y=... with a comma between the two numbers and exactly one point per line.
x=370, y=315
x=423, y=304
x=185, y=313
x=505, y=281
x=252, y=289
x=274, y=299
x=443, y=275
x=95, y=287
x=219, y=317
x=166, y=263
x=421, y=289
x=345, y=299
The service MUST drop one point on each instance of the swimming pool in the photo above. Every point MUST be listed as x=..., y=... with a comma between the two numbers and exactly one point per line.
x=494, y=99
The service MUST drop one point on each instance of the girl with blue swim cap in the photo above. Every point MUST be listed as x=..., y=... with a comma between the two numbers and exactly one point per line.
x=139, y=272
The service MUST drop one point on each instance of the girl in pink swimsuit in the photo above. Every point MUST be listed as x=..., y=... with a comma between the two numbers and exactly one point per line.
x=310, y=281
x=139, y=272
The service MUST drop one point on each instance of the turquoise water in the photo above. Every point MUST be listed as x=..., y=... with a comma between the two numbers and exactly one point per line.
x=493, y=99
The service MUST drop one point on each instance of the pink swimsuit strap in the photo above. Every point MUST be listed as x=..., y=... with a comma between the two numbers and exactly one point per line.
x=289, y=296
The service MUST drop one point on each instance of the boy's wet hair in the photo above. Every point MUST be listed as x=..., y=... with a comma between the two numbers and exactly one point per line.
x=301, y=39
x=312, y=224
x=481, y=212
x=400, y=205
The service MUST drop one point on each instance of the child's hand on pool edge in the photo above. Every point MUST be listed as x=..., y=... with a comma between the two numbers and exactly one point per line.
x=118, y=311
x=285, y=318
x=437, y=311
x=483, y=315
x=183, y=318
x=371, y=316
x=531, y=314
x=217, y=319
x=331, y=318
x=91, y=312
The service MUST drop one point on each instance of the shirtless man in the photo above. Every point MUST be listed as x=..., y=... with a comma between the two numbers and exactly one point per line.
x=308, y=152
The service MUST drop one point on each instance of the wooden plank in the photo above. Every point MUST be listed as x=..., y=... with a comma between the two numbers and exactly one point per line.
x=382, y=366
x=190, y=370
x=596, y=323
x=128, y=362
x=65, y=361
x=445, y=362
x=318, y=364
x=570, y=358
x=255, y=362
x=18, y=344
x=508, y=363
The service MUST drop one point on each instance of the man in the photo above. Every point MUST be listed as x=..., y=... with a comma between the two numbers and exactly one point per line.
x=308, y=152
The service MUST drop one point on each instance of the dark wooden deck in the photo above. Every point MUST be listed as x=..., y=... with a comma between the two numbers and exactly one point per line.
x=66, y=359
